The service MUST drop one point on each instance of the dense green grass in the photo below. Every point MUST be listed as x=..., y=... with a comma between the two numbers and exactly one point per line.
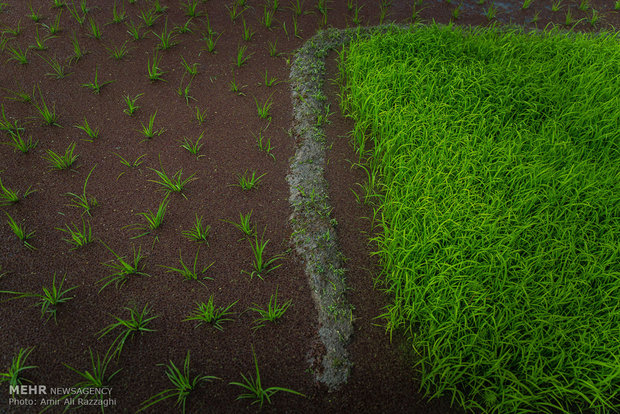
x=497, y=154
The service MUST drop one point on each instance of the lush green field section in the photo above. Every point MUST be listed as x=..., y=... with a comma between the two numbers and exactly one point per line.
x=495, y=158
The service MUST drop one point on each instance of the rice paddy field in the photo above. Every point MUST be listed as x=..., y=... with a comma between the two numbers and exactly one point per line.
x=493, y=165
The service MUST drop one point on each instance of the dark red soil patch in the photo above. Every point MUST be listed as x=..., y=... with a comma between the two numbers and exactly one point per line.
x=381, y=381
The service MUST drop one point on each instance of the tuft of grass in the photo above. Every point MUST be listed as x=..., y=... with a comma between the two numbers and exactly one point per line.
x=192, y=69
x=17, y=95
x=78, y=52
x=268, y=17
x=192, y=273
x=235, y=10
x=118, y=15
x=236, y=88
x=59, y=70
x=526, y=4
x=198, y=233
x=272, y=313
x=210, y=314
x=175, y=183
x=242, y=57
x=263, y=110
x=78, y=15
x=248, y=182
x=48, y=115
x=154, y=71
x=131, y=104
x=118, y=52
x=19, y=143
x=201, y=116
x=17, y=54
x=122, y=269
x=262, y=265
x=138, y=322
x=49, y=300
x=134, y=30
x=92, y=133
x=62, y=161
x=247, y=33
x=95, y=86
x=84, y=201
x=149, y=17
x=264, y=144
x=39, y=42
x=244, y=225
x=15, y=373
x=273, y=48
x=9, y=197
x=210, y=42
x=149, y=130
x=269, y=81
x=35, y=16
x=78, y=237
x=190, y=8
x=256, y=392
x=131, y=164
x=96, y=377
x=183, y=91
x=182, y=383
x=166, y=38
x=94, y=30
x=154, y=220
x=54, y=27
x=193, y=147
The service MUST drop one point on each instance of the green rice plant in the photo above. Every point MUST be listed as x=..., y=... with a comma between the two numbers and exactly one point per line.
x=255, y=389
x=235, y=10
x=118, y=15
x=198, y=233
x=536, y=17
x=153, y=69
x=595, y=18
x=49, y=300
x=193, y=147
x=17, y=54
x=138, y=322
x=54, y=27
x=356, y=15
x=209, y=313
x=58, y=4
x=617, y=5
x=526, y=4
x=14, y=374
x=270, y=81
x=201, y=116
x=190, y=8
x=233, y=86
x=273, y=48
x=297, y=7
x=263, y=110
x=182, y=383
x=183, y=91
x=450, y=250
x=172, y=184
x=12, y=127
x=95, y=86
x=13, y=31
x=264, y=144
x=149, y=130
x=242, y=58
x=92, y=133
x=131, y=104
x=491, y=12
x=261, y=265
x=135, y=164
x=296, y=28
x=78, y=237
x=80, y=18
x=62, y=161
x=192, y=69
x=85, y=9
x=158, y=8
x=59, y=71
x=247, y=33
x=9, y=197
x=272, y=313
x=134, y=30
x=118, y=52
x=84, y=201
x=185, y=27
x=96, y=377
x=210, y=42
x=207, y=23
x=192, y=273
x=556, y=6
x=35, y=16
x=39, y=42
x=456, y=12
x=383, y=9
x=19, y=143
x=267, y=19
x=166, y=38
x=78, y=52
x=154, y=220
x=20, y=232
x=19, y=96
x=248, y=182
x=123, y=269
x=149, y=17
x=244, y=225
x=49, y=116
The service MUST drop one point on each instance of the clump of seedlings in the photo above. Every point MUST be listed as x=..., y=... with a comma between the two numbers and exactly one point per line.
x=14, y=374
x=138, y=322
x=123, y=269
x=210, y=314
